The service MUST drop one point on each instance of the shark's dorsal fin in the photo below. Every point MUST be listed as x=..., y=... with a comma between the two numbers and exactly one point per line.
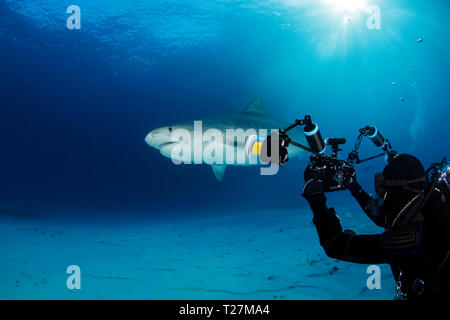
x=255, y=107
x=219, y=171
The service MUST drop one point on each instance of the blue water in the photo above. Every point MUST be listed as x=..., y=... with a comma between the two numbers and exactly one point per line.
x=78, y=184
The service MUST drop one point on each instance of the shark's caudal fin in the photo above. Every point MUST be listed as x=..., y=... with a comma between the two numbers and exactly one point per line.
x=219, y=170
x=255, y=107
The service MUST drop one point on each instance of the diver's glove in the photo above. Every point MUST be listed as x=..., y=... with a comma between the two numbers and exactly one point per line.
x=313, y=192
x=313, y=187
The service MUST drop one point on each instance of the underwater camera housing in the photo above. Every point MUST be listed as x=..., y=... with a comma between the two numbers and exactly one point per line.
x=335, y=173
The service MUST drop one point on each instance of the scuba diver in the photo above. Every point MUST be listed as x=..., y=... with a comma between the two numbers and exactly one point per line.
x=416, y=240
x=413, y=206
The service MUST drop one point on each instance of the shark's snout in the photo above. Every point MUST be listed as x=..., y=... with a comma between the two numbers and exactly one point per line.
x=158, y=137
x=149, y=139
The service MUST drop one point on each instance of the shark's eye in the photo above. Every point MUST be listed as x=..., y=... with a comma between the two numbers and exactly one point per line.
x=170, y=129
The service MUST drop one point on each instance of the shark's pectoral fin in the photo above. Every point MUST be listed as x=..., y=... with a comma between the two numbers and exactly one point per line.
x=219, y=170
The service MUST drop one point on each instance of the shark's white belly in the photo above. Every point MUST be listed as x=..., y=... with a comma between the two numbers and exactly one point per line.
x=198, y=151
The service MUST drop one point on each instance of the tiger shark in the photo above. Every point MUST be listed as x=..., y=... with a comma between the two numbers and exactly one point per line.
x=221, y=140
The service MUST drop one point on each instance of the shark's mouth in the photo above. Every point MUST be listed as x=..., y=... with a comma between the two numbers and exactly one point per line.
x=167, y=148
x=166, y=144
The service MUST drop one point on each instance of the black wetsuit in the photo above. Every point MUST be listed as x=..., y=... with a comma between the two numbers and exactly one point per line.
x=416, y=250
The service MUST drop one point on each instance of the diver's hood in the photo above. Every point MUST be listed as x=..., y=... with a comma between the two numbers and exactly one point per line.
x=404, y=181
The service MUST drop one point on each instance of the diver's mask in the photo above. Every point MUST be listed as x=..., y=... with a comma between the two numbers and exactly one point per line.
x=382, y=184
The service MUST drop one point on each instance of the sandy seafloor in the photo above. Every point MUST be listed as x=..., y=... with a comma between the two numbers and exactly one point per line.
x=269, y=254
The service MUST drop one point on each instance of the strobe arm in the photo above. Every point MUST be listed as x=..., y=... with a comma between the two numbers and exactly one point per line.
x=299, y=122
x=378, y=140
